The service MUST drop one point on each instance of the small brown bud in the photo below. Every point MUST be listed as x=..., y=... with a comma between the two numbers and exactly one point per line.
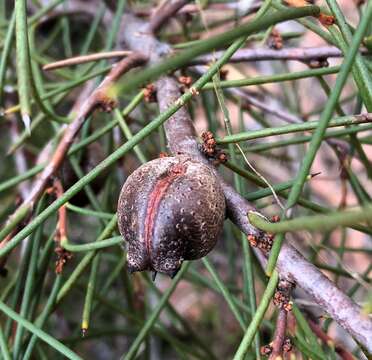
x=185, y=80
x=105, y=103
x=287, y=345
x=266, y=350
x=275, y=40
x=275, y=219
x=223, y=74
x=222, y=157
x=252, y=240
x=62, y=257
x=149, y=93
x=288, y=306
x=326, y=20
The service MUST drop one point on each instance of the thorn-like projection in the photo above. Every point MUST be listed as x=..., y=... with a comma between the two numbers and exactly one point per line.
x=315, y=174
x=153, y=275
x=131, y=269
x=173, y=273
x=27, y=123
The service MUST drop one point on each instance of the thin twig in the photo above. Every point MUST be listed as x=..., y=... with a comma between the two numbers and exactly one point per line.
x=76, y=60
x=164, y=13
x=261, y=54
x=61, y=232
x=279, y=336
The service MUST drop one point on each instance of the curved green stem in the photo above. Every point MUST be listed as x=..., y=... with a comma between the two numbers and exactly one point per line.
x=116, y=240
x=88, y=212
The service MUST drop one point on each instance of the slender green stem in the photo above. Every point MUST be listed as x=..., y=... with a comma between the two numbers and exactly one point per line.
x=23, y=69
x=105, y=129
x=313, y=340
x=131, y=354
x=6, y=185
x=360, y=71
x=346, y=249
x=302, y=201
x=115, y=26
x=116, y=240
x=338, y=271
x=259, y=194
x=38, y=87
x=5, y=53
x=263, y=9
x=36, y=121
x=110, y=227
x=178, y=317
x=43, y=316
x=257, y=317
x=92, y=196
x=43, y=11
x=304, y=348
x=65, y=88
x=88, y=212
x=4, y=346
x=17, y=291
x=66, y=35
x=28, y=292
x=128, y=134
x=89, y=294
x=287, y=129
x=265, y=79
x=306, y=138
x=313, y=223
x=92, y=30
x=55, y=344
x=225, y=292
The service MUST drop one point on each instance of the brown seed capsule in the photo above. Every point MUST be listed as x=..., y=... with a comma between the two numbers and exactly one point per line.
x=170, y=209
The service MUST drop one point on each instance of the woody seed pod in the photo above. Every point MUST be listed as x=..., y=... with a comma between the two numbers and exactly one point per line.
x=170, y=209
